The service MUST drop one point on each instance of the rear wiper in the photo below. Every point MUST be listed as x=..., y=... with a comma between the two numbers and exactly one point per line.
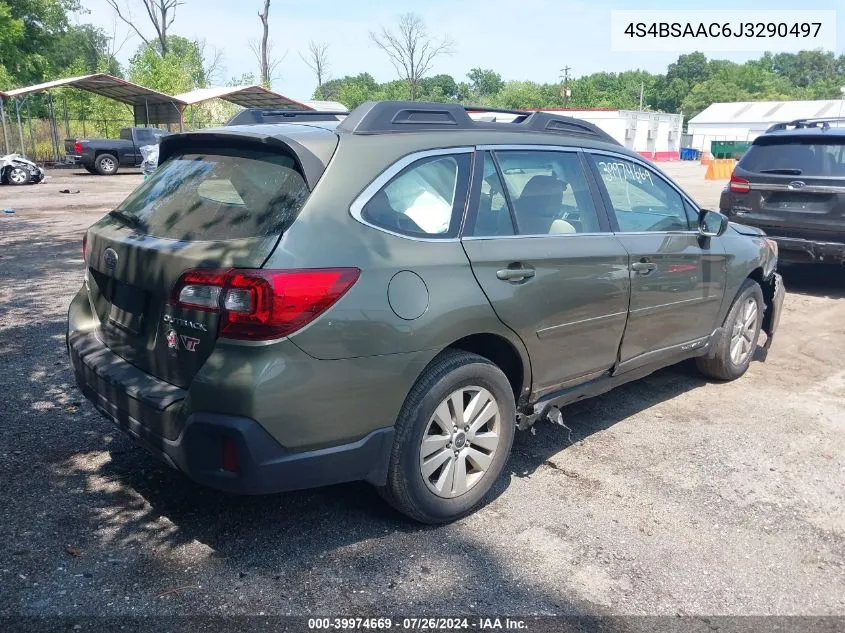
x=131, y=220
x=786, y=172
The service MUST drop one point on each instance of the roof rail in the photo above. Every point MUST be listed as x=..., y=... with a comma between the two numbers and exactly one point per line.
x=554, y=123
x=379, y=117
x=251, y=116
x=823, y=122
x=382, y=117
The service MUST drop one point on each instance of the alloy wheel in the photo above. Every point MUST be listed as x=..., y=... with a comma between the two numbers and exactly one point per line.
x=18, y=175
x=460, y=441
x=744, y=331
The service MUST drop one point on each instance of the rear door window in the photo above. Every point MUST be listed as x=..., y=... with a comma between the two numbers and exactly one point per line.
x=549, y=192
x=493, y=217
x=219, y=195
x=796, y=156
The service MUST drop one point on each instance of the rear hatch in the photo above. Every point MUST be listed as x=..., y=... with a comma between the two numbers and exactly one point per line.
x=217, y=205
x=793, y=185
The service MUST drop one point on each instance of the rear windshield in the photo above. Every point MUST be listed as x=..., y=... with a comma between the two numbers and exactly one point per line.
x=228, y=194
x=796, y=157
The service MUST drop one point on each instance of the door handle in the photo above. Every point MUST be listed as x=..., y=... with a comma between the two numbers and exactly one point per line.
x=515, y=274
x=643, y=268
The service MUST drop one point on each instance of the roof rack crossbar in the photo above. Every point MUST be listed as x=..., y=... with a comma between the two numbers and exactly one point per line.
x=290, y=112
x=382, y=117
x=805, y=123
x=496, y=110
x=282, y=115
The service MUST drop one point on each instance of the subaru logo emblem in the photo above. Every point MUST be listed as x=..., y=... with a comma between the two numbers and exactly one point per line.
x=797, y=184
x=110, y=258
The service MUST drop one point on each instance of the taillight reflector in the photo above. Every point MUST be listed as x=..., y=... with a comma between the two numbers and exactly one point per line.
x=259, y=304
x=739, y=185
x=230, y=455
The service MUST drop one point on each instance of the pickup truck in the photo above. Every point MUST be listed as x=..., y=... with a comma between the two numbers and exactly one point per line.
x=105, y=156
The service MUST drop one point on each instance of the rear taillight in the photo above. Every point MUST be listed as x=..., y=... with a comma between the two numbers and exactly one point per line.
x=258, y=304
x=77, y=147
x=739, y=185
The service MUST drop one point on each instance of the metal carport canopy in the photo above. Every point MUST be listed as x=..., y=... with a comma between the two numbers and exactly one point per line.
x=245, y=96
x=150, y=106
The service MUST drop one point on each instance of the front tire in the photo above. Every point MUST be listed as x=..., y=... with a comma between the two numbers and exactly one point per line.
x=738, y=342
x=106, y=164
x=453, y=437
x=17, y=176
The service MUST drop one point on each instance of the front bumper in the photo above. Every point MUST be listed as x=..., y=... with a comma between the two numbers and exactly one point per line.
x=151, y=412
x=796, y=249
x=773, y=292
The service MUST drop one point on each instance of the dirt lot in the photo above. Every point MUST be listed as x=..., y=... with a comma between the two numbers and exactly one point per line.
x=671, y=495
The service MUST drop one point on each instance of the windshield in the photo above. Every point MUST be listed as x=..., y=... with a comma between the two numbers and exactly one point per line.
x=218, y=196
x=795, y=156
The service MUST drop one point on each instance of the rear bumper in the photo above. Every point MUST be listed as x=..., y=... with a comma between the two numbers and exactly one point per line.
x=796, y=249
x=151, y=412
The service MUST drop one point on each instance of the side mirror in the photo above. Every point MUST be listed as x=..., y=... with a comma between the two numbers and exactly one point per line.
x=712, y=223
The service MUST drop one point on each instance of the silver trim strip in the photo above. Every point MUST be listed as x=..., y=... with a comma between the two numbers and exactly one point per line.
x=691, y=233
x=555, y=329
x=668, y=306
x=807, y=189
x=357, y=206
x=533, y=148
x=571, y=235
x=555, y=235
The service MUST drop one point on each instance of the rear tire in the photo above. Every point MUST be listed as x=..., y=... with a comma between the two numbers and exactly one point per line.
x=437, y=473
x=106, y=164
x=736, y=347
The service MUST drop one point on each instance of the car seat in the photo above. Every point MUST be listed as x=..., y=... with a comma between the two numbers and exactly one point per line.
x=539, y=205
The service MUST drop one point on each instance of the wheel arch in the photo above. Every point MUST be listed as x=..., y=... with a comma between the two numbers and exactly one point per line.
x=511, y=359
x=756, y=275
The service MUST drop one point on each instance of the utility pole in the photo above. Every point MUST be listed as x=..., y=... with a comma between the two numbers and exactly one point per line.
x=565, y=92
x=642, y=86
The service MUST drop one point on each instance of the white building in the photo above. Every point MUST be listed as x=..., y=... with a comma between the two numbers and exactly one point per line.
x=746, y=120
x=655, y=135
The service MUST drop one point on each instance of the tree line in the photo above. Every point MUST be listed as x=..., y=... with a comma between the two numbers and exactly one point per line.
x=39, y=42
x=689, y=85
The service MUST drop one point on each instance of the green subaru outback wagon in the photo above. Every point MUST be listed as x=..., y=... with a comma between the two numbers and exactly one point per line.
x=388, y=297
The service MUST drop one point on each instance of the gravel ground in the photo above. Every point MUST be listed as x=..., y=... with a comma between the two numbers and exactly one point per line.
x=670, y=495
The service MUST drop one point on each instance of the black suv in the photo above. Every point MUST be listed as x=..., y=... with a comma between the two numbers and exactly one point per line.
x=791, y=184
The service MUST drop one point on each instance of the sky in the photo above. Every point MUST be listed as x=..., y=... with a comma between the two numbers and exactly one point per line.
x=520, y=40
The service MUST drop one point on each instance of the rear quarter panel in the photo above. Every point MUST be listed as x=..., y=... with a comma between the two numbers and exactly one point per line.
x=363, y=322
